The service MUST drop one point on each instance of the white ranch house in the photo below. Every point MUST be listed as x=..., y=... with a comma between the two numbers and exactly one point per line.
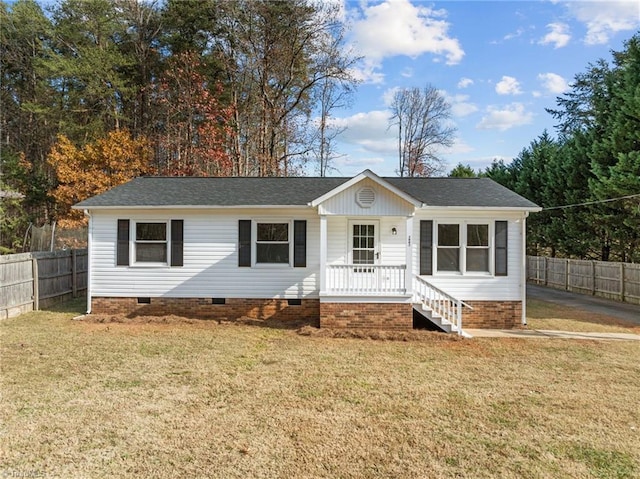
x=361, y=252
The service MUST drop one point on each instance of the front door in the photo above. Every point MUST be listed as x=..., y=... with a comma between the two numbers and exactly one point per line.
x=364, y=251
x=364, y=242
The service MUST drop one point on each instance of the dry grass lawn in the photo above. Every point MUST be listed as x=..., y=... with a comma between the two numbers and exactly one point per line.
x=202, y=400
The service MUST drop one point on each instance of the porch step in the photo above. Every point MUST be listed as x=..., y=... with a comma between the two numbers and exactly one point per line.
x=436, y=319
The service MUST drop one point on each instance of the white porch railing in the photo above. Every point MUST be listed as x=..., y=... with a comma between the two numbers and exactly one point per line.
x=442, y=304
x=366, y=279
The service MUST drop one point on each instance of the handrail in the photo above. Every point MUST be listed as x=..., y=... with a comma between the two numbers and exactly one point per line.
x=442, y=303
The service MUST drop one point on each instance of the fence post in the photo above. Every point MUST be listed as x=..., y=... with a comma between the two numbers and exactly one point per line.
x=546, y=270
x=622, y=282
x=593, y=278
x=36, y=286
x=566, y=274
x=74, y=274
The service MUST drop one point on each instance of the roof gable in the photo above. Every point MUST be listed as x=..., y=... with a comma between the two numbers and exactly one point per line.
x=359, y=178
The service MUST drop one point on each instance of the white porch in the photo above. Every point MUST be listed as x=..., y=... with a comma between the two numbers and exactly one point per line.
x=366, y=257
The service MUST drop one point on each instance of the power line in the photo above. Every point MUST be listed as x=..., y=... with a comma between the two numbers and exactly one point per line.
x=608, y=200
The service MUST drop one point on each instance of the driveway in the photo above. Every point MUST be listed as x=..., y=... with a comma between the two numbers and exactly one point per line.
x=623, y=311
x=585, y=302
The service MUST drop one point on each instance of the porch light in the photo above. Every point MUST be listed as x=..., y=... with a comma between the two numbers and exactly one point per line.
x=394, y=231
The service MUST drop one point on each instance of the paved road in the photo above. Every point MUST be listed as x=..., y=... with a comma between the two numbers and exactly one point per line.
x=624, y=311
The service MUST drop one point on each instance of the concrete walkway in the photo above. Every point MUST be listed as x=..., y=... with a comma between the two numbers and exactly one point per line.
x=547, y=334
x=625, y=311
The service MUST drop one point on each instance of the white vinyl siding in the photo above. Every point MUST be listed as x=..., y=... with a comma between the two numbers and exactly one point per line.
x=479, y=286
x=210, y=258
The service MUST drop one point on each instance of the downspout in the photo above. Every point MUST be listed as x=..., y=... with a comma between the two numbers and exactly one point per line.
x=523, y=272
x=89, y=262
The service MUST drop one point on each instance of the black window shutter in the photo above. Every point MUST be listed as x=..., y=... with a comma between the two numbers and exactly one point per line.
x=426, y=247
x=177, y=242
x=244, y=242
x=122, y=253
x=501, y=248
x=300, y=244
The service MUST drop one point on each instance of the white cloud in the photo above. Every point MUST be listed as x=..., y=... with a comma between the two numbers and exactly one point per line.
x=460, y=105
x=605, y=19
x=367, y=74
x=349, y=162
x=505, y=118
x=407, y=72
x=465, y=82
x=553, y=83
x=508, y=86
x=516, y=34
x=397, y=27
x=558, y=36
x=368, y=130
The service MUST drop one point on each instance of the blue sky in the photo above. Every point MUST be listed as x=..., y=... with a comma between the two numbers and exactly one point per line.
x=499, y=64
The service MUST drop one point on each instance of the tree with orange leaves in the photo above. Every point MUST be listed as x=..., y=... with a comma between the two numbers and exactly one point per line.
x=94, y=169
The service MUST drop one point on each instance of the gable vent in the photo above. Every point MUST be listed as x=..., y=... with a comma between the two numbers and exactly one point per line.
x=366, y=197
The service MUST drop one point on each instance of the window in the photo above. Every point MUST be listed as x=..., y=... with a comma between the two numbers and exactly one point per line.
x=151, y=243
x=363, y=244
x=448, y=247
x=471, y=249
x=477, y=248
x=272, y=243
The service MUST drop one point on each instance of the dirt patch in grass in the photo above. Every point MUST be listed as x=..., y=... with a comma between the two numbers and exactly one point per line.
x=378, y=335
x=546, y=315
x=174, y=319
x=306, y=330
x=89, y=399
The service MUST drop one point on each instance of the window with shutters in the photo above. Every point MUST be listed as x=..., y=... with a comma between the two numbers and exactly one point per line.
x=150, y=243
x=266, y=242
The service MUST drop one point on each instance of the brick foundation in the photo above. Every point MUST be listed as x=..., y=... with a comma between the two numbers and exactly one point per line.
x=202, y=308
x=388, y=316
x=492, y=314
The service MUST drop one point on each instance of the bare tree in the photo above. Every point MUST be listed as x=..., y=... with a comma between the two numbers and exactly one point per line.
x=334, y=91
x=422, y=117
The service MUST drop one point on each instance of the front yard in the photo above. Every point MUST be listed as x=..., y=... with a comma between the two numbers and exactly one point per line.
x=201, y=399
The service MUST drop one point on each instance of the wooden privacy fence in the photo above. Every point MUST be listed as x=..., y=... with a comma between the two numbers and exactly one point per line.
x=30, y=281
x=620, y=281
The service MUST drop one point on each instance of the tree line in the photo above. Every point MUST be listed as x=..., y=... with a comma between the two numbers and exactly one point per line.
x=588, y=177
x=92, y=91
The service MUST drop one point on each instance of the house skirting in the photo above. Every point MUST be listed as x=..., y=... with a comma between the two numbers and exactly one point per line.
x=388, y=316
x=306, y=312
x=338, y=315
x=492, y=314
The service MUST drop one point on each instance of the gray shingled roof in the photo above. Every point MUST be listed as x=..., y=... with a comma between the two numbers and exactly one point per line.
x=294, y=191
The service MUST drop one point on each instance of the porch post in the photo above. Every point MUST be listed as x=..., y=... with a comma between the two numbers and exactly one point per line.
x=323, y=253
x=408, y=279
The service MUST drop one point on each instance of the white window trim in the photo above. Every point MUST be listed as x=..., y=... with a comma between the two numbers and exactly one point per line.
x=462, y=229
x=254, y=243
x=134, y=244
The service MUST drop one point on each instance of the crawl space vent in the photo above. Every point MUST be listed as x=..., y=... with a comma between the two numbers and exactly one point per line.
x=365, y=197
